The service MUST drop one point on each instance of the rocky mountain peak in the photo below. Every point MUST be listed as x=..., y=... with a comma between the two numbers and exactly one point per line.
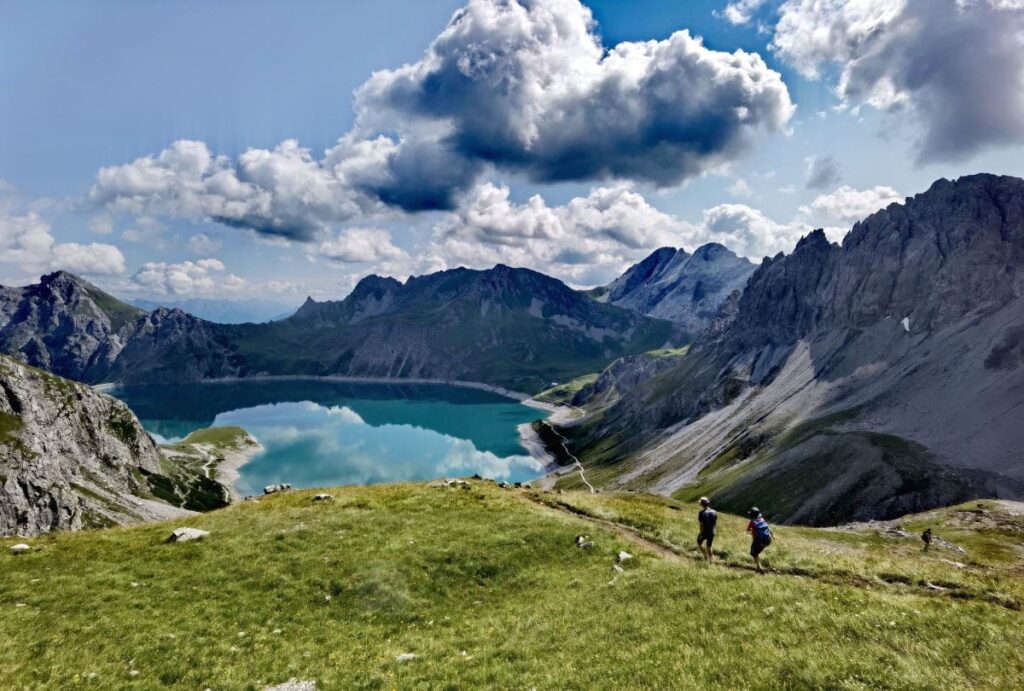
x=712, y=251
x=674, y=285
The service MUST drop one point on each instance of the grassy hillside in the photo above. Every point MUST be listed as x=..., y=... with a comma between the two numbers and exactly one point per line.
x=487, y=589
x=190, y=474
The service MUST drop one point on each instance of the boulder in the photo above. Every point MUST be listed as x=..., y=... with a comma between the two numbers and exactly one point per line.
x=293, y=685
x=19, y=548
x=187, y=534
x=405, y=657
x=623, y=556
x=584, y=542
x=274, y=489
x=323, y=497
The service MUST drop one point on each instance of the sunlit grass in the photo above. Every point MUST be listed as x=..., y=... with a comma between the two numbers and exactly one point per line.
x=487, y=589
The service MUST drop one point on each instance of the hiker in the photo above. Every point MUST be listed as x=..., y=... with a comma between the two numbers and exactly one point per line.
x=761, y=534
x=926, y=538
x=707, y=518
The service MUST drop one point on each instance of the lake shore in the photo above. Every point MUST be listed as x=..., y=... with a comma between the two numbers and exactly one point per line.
x=229, y=470
x=524, y=398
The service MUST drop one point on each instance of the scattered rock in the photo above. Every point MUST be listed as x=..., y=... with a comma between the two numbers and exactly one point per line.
x=946, y=544
x=584, y=542
x=932, y=586
x=405, y=657
x=504, y=485
x=274, y=489
x=323, y=497
x=133, y=673
x=618, y=569
x=186, y=534
x=19, y=548
x=623, y=556
x=293, y=685
x=455, y=483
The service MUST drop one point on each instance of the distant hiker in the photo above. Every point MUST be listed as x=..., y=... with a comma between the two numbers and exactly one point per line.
x=926, y=538
x=761, y=534
x=707, y=518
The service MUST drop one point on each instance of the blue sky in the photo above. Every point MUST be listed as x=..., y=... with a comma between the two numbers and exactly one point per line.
x=93, y=85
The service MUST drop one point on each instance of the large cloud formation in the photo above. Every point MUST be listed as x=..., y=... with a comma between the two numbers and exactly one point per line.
x=520, y=85
x=528, y=86
x=956, y=66
x=280, y=192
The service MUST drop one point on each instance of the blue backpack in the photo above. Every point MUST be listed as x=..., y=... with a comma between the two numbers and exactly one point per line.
x=762, y=533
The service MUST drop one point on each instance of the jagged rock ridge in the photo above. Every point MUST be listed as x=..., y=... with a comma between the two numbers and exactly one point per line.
x=855, y=381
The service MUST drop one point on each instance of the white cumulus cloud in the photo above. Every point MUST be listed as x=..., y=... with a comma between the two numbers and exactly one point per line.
x=26, y=241
x=954, y=67
x=204, y=277
x=585, y=241
x=361, y=245
x=523, y=86
x=848, y=204
x=741, y=11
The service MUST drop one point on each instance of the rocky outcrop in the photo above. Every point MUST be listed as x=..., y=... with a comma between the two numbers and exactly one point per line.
x=880, y=372
x=69, y=457
x=64, y=325
x=687, y=289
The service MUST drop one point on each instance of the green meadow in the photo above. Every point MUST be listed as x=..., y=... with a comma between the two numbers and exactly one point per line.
x=424, y=586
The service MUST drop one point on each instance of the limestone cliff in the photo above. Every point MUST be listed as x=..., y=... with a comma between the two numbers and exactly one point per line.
x=70, y=457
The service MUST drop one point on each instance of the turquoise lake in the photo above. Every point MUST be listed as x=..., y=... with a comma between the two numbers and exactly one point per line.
x=322, y=433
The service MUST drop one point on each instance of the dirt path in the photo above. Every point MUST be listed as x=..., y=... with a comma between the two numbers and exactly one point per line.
x=622, y=531
x=576, y=462
x=677, y=555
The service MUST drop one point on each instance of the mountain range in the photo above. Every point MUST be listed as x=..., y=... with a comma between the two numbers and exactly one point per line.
x=862, y=380
x=868, y=379
x=508, y=327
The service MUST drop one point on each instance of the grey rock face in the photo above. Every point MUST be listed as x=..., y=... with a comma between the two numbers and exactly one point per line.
x=906, y=339
x=63, y=325
x=69, y=457
x=687, y=289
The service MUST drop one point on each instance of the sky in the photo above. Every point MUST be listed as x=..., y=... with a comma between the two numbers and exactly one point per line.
x=174, y=149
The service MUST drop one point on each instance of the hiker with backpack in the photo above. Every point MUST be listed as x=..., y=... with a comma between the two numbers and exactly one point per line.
x=926, y=538
x=707, y=518
x=761, y=534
